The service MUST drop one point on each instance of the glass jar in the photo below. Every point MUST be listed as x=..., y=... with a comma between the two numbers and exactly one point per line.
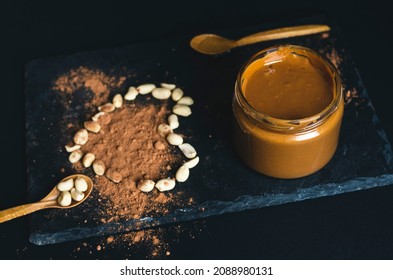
x=270, y=140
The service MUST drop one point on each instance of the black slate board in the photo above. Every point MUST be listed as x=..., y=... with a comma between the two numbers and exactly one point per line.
x=220, y=183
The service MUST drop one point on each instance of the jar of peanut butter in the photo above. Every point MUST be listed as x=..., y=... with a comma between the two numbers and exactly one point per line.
x=288, y=106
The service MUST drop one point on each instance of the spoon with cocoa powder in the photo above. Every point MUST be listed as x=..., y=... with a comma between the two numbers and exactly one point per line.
x=68, y=193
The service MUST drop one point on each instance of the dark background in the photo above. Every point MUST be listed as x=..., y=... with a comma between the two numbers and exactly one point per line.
x=350, y=226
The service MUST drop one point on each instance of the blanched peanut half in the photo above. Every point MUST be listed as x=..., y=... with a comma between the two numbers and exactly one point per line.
x=146, y=185
x=192, y=162
x=80, y=184
x=72, y=148
x=117, y=100
x=182, y=174
x=81, y=137
x=75, y=156
x=186, y=100
x=64, y=199
x=188, y=150
x=173, y=121
x=97, y=116
x=161, y=93
x=131, y=94
x=88, y=159
x=105, y=119
x=174, y=139
x=66, y=185
x=145, y=88
x=177, y=93
x=92, y=126
x=165, y=185
x=76, y=195
x=159, y=145
x=106, y=108
x=99, y=167
x=168, y=86
x=182, y=110
x=113, y=175
x=164, y=129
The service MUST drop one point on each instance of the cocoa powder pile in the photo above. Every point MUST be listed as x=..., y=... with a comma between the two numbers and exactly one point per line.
x=128, y=144
x=96, y=81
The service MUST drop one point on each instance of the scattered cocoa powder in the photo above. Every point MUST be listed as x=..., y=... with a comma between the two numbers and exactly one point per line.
x=110, y=239
x=325, y=35
x=150, y=243
x=99, y=83
x=334, y=57
x=352, y=96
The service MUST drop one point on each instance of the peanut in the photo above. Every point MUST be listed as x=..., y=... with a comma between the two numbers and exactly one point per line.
x=146, y=88
x=99, y=167
x=174, y=139
x=97, y=116
x=76, y=195
x=64, y=199
x=92, y=126
x=173, y=121
x=66, y=185
x=182, y=174
x=145, y=185
x=177, y=93
x=117, y=100
x=72, y=148
x=165, y=185
x=164, y=129
x=131, y=94
x=168, y=86
x=113, y=175
x=88, y=159
x=192, y=162
x=186, y=100
x=106, y=108
x=75, y=156
x=80, y=185
x=161, y=93
x=81, y=137
x=188, y=150
x=182, y=110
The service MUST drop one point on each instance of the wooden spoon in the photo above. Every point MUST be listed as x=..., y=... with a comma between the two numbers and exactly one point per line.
x=49, y=201
x=214, y=44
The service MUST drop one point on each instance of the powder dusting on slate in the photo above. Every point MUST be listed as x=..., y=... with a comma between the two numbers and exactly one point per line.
x=93, y=80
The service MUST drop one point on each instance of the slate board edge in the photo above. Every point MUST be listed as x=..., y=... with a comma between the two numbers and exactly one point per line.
x=216, y=207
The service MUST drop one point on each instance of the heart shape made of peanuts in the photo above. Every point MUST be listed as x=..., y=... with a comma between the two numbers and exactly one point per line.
x=143, y=136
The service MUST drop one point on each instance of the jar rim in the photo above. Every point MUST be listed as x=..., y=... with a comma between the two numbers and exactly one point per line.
x=290, y=125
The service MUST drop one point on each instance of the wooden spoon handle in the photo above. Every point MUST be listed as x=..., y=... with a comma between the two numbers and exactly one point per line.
x=18, y=211
x=281, y=33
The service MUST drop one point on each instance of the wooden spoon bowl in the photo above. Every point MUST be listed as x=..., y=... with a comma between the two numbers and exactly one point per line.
x=49, y=201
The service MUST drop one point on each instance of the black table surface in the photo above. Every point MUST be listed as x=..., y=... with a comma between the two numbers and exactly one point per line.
x=350, y=226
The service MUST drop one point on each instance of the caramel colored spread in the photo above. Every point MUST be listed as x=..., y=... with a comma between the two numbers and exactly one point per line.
x=287, y=85
x=288, y=109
